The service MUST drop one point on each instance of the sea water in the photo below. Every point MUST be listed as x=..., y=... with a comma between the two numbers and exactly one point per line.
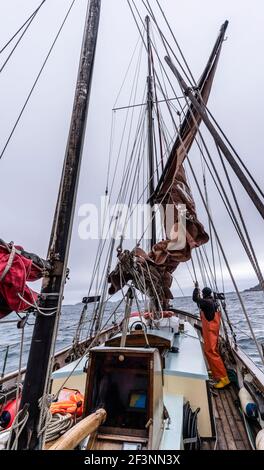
x=10, y=335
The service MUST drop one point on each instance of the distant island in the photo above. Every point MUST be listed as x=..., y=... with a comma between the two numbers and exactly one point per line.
x=254, y=289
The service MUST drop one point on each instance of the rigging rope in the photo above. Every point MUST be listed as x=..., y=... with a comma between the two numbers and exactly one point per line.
x=145, y=45
x=167, y=47
x=217, y=241
x=227, y=203
x=258, y=270
x=17, y=43
x=17, y=427
x=259, y=350
x=228, y=268
x=131, y=98
x=126, y=175
x=97, y=262
x=91, y=345
x=198, y=129
x=167, y=50
x=178, y=284
x=101, y=306
x=58, y=425
x=226, y=200
x=36, y=80
x=29, y=20
x=209, y=221
x=175, y=40
x=150, y=11
x=102, y=243
x=141, y=318
x=235, y=152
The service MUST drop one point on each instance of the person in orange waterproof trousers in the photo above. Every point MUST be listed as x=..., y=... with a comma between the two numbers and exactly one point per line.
x=211, y=318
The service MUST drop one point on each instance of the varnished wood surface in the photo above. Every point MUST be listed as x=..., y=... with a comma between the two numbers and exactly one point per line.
x=231, y=433
x=100, y=444
x=87, y=426
x=112, y=442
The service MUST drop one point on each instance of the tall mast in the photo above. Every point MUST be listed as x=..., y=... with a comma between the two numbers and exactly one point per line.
x=45, y=330
x=150, y=101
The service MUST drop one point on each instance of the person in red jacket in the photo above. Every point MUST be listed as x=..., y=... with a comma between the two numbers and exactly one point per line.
x=211, y=318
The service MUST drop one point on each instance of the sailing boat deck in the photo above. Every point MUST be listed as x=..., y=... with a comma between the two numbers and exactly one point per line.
x=186, y=378
x=230, y=428
x=142, y=381
x=189, y=361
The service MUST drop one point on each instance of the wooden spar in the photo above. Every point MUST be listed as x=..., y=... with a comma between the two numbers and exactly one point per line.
x=188, y=117
x=45, y=330
x=218, y=140
x=150, y=102
x=87, y=426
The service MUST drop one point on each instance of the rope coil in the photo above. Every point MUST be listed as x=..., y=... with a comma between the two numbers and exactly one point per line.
x=58, y=425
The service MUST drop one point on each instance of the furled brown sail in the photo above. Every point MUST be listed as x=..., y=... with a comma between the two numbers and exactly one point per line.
x=172, y=192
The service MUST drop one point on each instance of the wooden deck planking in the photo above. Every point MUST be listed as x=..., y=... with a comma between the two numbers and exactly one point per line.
x=225, y=426
x=233, y=405
x=231, y=433
x=229, y=410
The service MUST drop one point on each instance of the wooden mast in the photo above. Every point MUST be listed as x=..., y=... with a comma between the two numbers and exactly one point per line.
x=150, y=101
x=45, y=330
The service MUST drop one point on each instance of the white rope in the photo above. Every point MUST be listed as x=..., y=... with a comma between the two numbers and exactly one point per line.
x=45, y=414
x=155, y=292
x=17, y=427
x=36, y=307
x=58, y=425
x=9, y=263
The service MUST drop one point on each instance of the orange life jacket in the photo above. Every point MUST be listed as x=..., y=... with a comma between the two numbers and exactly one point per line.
x=69, y=401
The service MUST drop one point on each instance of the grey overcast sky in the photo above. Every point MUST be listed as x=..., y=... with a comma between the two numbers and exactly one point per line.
x=30, y=168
